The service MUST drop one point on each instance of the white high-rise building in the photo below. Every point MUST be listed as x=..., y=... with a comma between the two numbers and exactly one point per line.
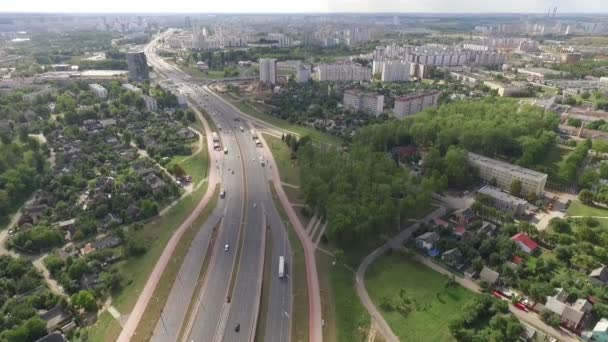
x=268, y=70
x=98, y=90
x=360, y=101
x=396, y=71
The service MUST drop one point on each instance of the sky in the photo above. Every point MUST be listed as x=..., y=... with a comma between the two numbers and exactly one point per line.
x=298, y=6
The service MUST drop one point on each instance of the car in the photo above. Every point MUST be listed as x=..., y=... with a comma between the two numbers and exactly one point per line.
x=255, y=205
x=232, y=171
x=226, y=247
x=237, y=328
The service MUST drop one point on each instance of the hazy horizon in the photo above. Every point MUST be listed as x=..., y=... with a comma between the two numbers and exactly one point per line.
x=311, y=6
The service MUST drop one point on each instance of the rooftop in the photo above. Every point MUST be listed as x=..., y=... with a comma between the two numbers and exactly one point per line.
x=498, y=194
x=417, y=95
x=521, y=171
x=526, y=240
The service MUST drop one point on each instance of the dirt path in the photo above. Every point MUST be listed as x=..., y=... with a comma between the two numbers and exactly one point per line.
x=52, y=283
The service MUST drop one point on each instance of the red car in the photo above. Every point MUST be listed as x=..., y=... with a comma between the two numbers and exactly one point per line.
x=522, y=307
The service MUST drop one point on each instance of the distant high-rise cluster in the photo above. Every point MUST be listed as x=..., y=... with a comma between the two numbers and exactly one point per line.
x=334, y=36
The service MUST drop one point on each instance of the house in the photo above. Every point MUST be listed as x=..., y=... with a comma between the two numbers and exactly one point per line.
x=89, y=281
x=599, y=275
x=427, y=240
x=87, y=249
x=488, y=228
x=441, y=223
x=488, y=275
x=67, y=224
x=106, y=242
x=107, y=123
x=155, y=183
x=52, y=337
x=111, y=220
x=574, y=316
x=133, y=212
x=452, y=257
x=525, y=243
x=600, y=331
x=464, y=217
x=459, y=231
x=471, y=273
x=56, y=317
x=32, y=214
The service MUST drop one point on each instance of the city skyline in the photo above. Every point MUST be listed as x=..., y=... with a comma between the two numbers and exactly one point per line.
x=312, y=6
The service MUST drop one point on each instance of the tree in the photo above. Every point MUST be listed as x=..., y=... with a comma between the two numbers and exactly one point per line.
x=515, y=188
x=586, y=197
x=86, y=300
x=551, y=318
x=31, y=330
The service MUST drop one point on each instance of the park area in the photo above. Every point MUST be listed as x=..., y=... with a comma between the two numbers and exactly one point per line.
x=431, y=303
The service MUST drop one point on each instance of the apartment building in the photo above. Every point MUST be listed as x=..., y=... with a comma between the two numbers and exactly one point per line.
x=138, y=66
x=268, y=70
x=151, y=103
x=344, y=73
x=411, y=104
x=360, y=101
x=302, y=73
x=98, y=90
x=503, y=201
x=396, y=71
x=505, y=174
x=131, y=87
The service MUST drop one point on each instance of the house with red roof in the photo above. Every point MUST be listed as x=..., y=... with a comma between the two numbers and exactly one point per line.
x=525, y=243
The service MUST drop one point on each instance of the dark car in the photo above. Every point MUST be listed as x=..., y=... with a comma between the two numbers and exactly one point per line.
x=237, y=328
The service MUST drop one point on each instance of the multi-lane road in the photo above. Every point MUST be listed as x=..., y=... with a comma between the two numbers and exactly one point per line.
x=226, y=307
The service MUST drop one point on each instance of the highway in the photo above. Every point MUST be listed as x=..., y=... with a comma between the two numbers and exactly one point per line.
x=244, y=214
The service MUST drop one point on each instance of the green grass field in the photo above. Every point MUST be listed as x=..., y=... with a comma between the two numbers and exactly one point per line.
x=345, y=317
x=579, y=209
x=248, y=108
x=288, y=168
x=434, y=304
x=195, y=165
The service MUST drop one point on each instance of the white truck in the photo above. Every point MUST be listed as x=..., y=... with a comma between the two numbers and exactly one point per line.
x=281, y=266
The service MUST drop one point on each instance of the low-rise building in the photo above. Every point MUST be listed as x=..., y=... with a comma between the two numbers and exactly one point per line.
x=511, y=89
x=505, y=174
x=575, y=315
x=600, y=331
x=360, y=101
x=407, y=105
x=302, y=73
x=599, y=275
x=525, y=243
x=489, y=275
x=427, y=240
x=98, y=90
x=503, y=201
x=150, y=103
x=452, y=257
x=131, y=87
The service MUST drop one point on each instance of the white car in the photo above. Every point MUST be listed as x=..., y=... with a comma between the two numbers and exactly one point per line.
x=255, y=205
x=226, y=248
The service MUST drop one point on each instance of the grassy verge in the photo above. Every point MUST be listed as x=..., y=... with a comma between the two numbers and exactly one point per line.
x=193, y=165
x=344, y=315
x=299, y=315
x=288, y=168
x=247, y=107
x=105, y=329
x=260, y=331
x=148, y=322
x=577, y=208
x=433, y=304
